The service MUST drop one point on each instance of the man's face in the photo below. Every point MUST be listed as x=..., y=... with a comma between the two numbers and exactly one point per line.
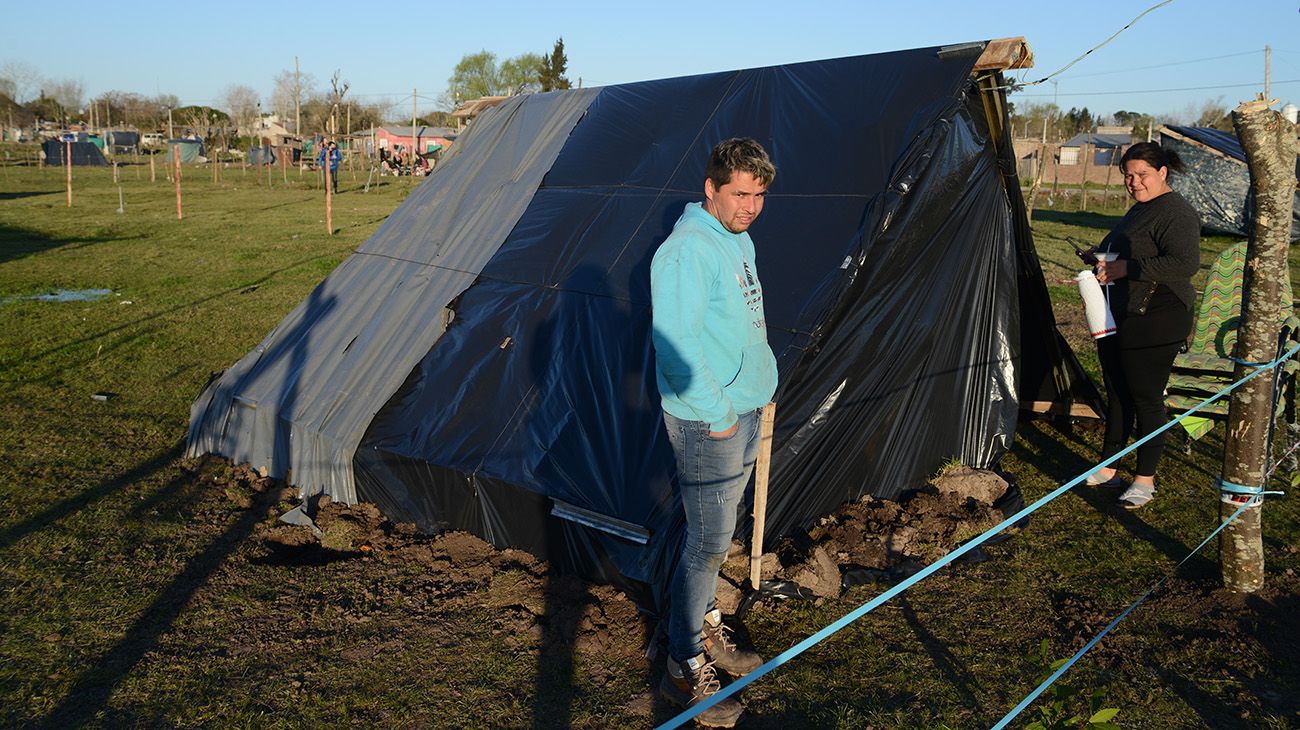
x=737, y=204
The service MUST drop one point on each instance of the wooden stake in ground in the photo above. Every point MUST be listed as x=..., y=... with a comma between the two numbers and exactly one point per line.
x=176, y=160
x=762, y=467
x=153, y=176
x=1269, y=142
x=67, y=162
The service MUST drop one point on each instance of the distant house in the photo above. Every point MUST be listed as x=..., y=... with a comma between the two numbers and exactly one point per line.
x=426, y=139
x=1108, y=144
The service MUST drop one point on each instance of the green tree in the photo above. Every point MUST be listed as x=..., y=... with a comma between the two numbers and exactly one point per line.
x=475, y=75
x=553, y=67
x=519, y=73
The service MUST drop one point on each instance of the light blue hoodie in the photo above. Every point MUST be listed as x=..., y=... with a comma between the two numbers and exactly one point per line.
x=712, y=360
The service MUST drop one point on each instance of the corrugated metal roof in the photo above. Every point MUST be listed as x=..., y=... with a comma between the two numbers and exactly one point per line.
x=1099, y=140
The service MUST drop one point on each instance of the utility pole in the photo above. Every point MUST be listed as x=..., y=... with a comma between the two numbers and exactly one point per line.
x=1269, y=142
x=169, y=124
x=297, y=95
x=414, y=144
x=1267, y=52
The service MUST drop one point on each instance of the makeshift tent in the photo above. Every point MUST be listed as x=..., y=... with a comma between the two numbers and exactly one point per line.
x=123, y=142
x=484, y=362
x=1216, y=181
x=190, y=150
x=83, y=153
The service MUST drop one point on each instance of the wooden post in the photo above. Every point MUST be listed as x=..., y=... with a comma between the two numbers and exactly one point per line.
x=153, y=175
x=762, y=468
x=329, y=199
x=176, y=165
x=1087, y=161
x=1269, y=142
x=67, y=162
x=1105, y=195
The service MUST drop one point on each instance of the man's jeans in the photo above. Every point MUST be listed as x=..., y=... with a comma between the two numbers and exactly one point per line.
x=712, y=475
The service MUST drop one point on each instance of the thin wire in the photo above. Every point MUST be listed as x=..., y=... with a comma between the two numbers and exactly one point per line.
x=1165, y=65
x=1157, y=91
x=1099, y=45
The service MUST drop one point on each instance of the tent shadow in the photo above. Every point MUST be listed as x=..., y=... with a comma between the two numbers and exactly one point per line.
x=55, y=512
x=91, y=691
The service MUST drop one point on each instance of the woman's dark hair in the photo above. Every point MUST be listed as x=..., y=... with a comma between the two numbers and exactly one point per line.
x=1154, y=155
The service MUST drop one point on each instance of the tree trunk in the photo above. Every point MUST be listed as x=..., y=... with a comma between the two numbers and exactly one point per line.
x=1269, y=143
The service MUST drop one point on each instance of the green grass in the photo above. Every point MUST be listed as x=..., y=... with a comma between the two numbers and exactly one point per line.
x=132, y=593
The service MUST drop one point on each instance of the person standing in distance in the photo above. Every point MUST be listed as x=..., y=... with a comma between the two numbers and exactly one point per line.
x=715, y=372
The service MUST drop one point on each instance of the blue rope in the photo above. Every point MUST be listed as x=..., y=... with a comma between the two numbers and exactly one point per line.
x=691, y=712
x=1079, y=654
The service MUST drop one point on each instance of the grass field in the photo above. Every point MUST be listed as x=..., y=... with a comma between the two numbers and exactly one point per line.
x=137, y=589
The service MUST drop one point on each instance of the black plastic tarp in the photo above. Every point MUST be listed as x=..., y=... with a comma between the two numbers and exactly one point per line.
x=122, y=141
x=903, y=298
x=1217, y=185
x=83, y=153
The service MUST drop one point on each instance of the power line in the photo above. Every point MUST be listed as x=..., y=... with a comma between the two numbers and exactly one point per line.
x=1254, y=84
x=1099, y=45
x=1165, y=65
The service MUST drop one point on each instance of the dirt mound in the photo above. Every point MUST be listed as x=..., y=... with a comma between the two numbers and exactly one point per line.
x=875, y=539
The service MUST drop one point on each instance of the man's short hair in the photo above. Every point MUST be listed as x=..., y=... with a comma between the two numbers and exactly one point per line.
x=739, y=154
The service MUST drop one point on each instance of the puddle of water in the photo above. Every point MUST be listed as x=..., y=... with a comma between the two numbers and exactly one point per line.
x=70, y=295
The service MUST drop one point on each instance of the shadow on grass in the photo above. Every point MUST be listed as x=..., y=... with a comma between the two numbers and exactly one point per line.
x=93, y=689
x=91, y=692
x=944, y=660
x=236, y=289
x=13, y=533
x=27, y=194
x=17, y=242
x=1060, y=463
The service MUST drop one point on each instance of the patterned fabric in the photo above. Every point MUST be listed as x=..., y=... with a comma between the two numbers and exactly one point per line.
x=1207, y=366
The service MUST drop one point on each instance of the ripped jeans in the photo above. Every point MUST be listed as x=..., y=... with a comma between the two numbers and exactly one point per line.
x=712, y=475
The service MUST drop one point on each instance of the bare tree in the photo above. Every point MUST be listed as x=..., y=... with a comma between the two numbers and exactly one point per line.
x=338, y=89
x=242, y=103
x=69, y=93
x=283, y=97
x=19, y=80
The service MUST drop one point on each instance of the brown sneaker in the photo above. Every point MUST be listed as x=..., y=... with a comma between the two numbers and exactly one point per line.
x=723, y=651
x=692, y=681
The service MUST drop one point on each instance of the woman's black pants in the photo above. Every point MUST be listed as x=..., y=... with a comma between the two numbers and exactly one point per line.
x=1135, y=364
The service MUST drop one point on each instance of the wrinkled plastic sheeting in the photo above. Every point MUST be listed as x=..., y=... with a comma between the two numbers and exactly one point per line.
x=1218, y=187
x=302, y=399
x=890, y=290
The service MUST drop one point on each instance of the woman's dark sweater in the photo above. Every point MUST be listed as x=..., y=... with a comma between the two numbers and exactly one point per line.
x=1161, y=240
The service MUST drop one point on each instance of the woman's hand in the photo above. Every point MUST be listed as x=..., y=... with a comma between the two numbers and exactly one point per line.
x=1108, y=271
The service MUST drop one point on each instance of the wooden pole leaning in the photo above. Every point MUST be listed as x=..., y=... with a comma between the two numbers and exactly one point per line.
x=762, y=468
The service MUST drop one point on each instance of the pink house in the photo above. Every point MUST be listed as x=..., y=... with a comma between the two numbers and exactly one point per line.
x=427, y=139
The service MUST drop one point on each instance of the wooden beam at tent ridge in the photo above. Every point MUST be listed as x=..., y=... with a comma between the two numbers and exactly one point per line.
x=999, y=55
x=1005, y=53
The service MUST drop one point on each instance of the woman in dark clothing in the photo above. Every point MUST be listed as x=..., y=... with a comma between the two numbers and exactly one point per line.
x=1158, y=243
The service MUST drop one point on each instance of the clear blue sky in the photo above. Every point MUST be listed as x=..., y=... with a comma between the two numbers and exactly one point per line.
x=1177, y=57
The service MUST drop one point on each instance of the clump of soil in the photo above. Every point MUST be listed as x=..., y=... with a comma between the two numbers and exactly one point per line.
x=875, y=539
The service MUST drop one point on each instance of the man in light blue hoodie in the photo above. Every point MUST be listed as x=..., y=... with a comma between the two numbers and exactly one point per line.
x=715, y=372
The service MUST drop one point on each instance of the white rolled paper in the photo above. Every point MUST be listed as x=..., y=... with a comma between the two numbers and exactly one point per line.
x=1101, y=323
